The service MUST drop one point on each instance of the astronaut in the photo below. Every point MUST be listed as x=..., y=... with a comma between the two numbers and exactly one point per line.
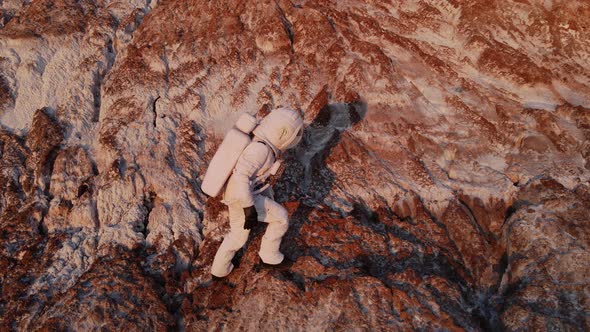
x=249, y=198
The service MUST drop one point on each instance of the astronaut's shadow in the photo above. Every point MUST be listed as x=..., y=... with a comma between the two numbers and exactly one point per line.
x=307, y=179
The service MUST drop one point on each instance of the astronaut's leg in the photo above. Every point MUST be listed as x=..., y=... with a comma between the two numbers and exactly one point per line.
x=232, y=242
x=277, y=218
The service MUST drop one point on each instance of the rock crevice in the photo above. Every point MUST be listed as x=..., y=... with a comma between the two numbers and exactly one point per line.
x=441, y=182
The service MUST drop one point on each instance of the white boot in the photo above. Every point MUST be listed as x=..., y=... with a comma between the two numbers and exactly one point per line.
x=276, y=216
x=232, y=242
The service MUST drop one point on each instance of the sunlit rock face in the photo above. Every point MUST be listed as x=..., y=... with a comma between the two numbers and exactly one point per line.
x=442, y=181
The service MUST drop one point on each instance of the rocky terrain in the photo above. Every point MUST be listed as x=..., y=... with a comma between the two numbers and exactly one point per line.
x=442, y=182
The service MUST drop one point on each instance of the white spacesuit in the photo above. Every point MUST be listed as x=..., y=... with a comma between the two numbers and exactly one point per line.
x=248, y=198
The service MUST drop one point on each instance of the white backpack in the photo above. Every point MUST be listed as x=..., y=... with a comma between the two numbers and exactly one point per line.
x=225, y=158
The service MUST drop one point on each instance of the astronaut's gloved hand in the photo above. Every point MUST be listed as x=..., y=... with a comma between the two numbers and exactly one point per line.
x=251, y=217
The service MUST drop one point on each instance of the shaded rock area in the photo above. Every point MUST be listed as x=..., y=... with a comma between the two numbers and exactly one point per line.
x=129, y=301
x=442, y=182
x=545, y=281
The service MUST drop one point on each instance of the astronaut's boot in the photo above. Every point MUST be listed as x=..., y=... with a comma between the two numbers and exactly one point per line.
x=271, y=241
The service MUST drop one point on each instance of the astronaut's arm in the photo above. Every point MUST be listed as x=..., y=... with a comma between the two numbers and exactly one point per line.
x=250, y=161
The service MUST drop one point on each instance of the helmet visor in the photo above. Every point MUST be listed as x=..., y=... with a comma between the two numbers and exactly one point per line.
x=296, y=140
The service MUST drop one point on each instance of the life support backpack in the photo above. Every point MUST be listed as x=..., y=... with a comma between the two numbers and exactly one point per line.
x=226, y=157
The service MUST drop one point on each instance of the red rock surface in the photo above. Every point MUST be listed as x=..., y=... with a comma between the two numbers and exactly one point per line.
x=442, y=182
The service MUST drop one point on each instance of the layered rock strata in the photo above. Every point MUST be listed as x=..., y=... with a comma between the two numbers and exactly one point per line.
x=442, y=181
